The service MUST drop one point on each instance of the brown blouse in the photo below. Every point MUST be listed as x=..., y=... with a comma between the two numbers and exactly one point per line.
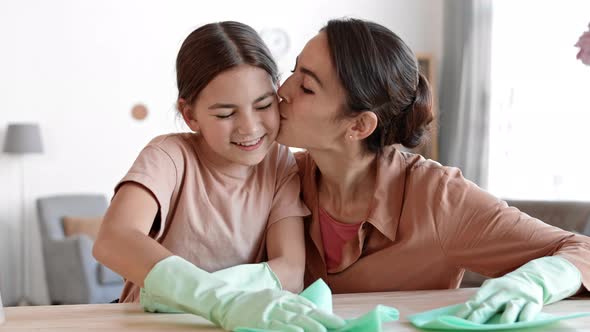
x=426, y=226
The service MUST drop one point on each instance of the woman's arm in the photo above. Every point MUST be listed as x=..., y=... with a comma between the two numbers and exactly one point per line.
x=483, y=234
x=123, y=243
x=286, y=252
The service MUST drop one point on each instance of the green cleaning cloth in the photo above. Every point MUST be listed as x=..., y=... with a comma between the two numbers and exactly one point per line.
x=320, y=294
x=443, y=319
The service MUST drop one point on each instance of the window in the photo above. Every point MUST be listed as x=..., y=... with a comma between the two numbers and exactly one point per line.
x=540, y=101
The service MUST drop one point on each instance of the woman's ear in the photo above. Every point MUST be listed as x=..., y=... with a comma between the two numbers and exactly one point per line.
x=363, y=125
x=187, y=114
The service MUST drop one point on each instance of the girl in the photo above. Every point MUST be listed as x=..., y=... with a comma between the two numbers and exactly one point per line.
x=385, y=220
x=222, y=197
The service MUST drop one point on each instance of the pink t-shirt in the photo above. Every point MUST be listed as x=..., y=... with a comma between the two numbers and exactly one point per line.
x=335, y=235
x=209, y=217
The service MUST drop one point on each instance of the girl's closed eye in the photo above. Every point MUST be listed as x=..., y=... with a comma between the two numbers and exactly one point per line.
x=224, y=116
x=264, y=107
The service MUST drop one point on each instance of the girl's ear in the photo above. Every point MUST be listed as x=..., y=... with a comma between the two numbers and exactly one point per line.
x=188, y=114
x=363, y=125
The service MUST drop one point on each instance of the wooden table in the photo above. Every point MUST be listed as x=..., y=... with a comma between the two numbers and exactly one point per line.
x=130, y=317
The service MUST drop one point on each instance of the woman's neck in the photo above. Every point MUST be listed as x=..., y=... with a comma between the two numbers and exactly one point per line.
x=346, y=183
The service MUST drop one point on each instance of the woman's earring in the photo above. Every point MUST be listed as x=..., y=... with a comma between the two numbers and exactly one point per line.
x=350, y=136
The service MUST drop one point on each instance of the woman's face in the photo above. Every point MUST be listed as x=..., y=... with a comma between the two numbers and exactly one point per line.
x=237, y=115
x=312, y=100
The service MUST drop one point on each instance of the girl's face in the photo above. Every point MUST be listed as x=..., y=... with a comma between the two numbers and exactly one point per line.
x=312, y=101
x=237, y=115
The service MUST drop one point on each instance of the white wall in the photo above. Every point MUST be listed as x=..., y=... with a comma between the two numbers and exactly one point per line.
x=76, y=67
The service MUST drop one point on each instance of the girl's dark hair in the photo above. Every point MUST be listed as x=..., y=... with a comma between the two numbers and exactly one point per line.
x=380, y=74
x=214, y=48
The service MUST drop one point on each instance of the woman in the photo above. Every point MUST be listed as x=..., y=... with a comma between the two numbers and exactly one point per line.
x=221, y=199
x=385, y=220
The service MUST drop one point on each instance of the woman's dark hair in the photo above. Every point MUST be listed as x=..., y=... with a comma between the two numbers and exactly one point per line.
x=214, y=48
x=380, y=74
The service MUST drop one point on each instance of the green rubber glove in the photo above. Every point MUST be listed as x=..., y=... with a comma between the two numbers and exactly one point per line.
x=251, y=277
x=320, y=294
x=519, y=295
x=176, y=283
x=246, y=277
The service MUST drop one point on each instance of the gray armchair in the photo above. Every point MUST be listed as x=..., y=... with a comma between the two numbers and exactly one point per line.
x=73, y=275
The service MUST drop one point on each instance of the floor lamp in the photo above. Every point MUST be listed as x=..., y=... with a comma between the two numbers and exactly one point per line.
x=21, y=139
x=1, y=311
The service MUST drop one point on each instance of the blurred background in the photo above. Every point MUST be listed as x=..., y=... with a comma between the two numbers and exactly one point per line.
x=84, y=85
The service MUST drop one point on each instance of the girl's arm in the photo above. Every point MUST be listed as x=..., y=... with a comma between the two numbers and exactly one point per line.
x=286, y=252
x=123, y=243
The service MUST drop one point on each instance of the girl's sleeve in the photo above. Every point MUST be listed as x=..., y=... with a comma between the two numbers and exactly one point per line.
x=286, y=200
x=155, y=170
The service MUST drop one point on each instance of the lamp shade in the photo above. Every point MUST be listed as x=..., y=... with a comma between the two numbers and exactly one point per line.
x=23, y=138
